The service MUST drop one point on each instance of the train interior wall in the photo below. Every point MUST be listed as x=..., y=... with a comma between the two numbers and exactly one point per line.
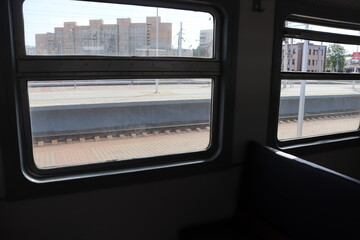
x=160, y=209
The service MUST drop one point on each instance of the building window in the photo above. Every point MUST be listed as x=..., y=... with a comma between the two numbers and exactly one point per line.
x=124, y=116
x=318, y=105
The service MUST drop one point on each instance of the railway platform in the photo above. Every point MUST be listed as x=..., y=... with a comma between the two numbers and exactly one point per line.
x=71, y=95
x=119, y=148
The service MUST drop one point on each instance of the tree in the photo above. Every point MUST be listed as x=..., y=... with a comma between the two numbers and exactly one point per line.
x=199, y=52
x=335, y=58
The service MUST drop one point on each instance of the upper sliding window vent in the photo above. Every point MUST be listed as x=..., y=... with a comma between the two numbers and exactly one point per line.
x=64, y=27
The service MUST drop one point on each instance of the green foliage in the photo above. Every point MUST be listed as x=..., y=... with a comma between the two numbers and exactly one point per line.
x=199, y=52
x=335, y=58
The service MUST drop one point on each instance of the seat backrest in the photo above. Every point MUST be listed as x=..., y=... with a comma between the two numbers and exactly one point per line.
x=301, y=198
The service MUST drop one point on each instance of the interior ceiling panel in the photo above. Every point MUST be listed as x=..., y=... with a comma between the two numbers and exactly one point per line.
x=349, y=4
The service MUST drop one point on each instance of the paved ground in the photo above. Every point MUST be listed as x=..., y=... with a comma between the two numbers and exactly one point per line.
x=75, y=153
x=287, y=130
x=318, y=88
x=50, y=96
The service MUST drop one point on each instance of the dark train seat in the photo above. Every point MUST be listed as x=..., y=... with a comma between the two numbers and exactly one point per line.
x=300, y=198
x=287, y=197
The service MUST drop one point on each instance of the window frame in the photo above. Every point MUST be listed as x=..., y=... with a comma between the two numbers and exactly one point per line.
x=297, y=13
x=47, y=68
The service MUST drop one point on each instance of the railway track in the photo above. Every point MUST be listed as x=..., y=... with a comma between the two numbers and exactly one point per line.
x=322, y=116
x=103, y=135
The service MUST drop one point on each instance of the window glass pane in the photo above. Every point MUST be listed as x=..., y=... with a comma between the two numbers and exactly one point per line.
x=90, y=121
x=329, y=107
x=312, y=56
x=312, y=27
x=64, y=27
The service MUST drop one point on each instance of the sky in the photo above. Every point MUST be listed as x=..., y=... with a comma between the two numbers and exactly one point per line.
x=41, y=16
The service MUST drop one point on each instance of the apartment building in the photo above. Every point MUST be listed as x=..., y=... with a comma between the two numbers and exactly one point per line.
x=292, y=57
x=123, y=38
x=206, y=43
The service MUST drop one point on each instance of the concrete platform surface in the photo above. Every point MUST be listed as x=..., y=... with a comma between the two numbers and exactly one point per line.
x=317, y=127
x=52, y=96
x=317, y=88
x=80, y=153
x=69, y=95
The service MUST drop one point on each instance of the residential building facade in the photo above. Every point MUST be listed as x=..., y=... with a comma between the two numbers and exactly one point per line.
x=206, y=43
x=292, y=57
x=121, y=39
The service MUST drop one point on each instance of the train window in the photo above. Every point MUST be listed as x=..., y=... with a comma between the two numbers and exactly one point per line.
x=91, y=121
x=109, y=87
x=320, y=91
x=64, y=27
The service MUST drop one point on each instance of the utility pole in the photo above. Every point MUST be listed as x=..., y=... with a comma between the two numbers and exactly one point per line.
x=157, y=46
x=291, y=54
x=73, y=38
x=157, y=33
x=286, y=58
x=180, y=41
x=304, y=65
x=292, y=68
x=319, y=59
x=286, y=53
